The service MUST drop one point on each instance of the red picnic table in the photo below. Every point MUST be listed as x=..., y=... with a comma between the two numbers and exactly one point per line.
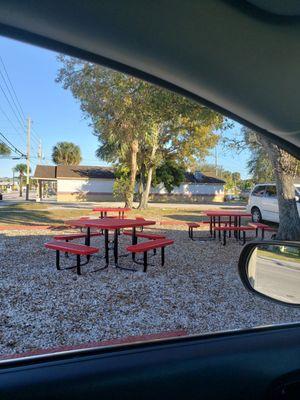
x=235, y=218
x=107, y=225
x=104, y=210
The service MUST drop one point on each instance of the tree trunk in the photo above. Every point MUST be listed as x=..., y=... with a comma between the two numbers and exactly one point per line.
x=20, y=186
x=141, y=183
x=133, y=170
x=145, y=196
x=285, y=169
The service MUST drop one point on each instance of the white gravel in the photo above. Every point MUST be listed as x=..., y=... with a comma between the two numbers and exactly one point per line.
x=198, y=290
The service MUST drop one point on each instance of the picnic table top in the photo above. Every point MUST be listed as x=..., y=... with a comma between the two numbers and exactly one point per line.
x=115, y=223
x=221, y=213
x=112, y=209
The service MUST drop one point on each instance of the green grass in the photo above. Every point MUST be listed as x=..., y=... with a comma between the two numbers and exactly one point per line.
x=282, y=257
x=43, y=214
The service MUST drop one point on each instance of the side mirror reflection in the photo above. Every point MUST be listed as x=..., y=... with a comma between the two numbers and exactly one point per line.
x=272, y=269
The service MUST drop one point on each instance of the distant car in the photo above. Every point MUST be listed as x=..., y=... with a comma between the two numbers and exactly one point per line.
x=244, y=195
x=263, y=203
x=230, y=197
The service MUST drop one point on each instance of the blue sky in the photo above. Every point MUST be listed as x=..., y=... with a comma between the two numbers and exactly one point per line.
x=55, y=114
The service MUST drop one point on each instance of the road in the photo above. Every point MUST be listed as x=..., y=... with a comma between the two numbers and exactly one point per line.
x=278, y=278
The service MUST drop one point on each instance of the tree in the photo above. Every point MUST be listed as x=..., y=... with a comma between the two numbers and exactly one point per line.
x=259, y=165
x=138, y=124
x=4, y=150
x=21, y=169
x=66, y=153
x=170, y=174
x=284, y=168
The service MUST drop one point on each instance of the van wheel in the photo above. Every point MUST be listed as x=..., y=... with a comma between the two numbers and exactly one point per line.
x=256, y=215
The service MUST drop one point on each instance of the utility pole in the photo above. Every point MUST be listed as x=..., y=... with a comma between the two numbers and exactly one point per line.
x=28, y=157
x=216, y=161
x=40, y=152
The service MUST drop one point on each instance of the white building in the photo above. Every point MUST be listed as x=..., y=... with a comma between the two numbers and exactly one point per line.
x=87, y=183
x=196, y=187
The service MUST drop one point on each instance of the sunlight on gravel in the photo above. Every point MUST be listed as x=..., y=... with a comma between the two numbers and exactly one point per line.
x=198, y=290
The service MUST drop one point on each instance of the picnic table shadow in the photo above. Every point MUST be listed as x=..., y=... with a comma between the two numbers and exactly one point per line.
x=29, y=218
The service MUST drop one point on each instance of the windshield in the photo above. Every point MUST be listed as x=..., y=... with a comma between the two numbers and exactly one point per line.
x=123, y=209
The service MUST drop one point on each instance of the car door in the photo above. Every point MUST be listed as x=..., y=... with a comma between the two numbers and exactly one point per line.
x=270, y=204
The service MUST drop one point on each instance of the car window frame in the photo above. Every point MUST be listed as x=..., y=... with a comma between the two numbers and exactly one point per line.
x=256, y=187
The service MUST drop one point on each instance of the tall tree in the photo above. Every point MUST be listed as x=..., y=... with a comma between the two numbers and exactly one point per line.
x=284, y=168
x=66, y=153
x=21, y=170
x=137, y=123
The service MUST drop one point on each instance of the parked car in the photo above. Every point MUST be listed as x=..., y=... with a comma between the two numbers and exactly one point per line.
x=263, y=203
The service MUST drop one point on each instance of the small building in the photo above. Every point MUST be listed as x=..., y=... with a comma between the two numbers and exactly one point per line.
x=197, y=187
x=75, y=183
x=91, y=183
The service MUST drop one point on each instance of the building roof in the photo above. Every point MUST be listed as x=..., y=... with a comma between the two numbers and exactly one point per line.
x=51, y=172
x=69, y=172
x=45, y=172
x=198, y=177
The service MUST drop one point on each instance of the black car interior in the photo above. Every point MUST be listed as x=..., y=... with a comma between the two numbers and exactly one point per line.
x=241, y=58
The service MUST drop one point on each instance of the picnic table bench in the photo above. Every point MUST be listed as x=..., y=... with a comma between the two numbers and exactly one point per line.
x=262, y=227
x=110, y=224
x=151, y=245
x=77, y=249
x=238, y=229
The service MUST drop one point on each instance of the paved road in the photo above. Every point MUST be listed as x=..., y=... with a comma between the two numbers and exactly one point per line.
x=278, y=278
x=13, y=198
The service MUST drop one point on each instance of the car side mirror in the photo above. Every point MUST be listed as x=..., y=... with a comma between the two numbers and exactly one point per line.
x=271, y=269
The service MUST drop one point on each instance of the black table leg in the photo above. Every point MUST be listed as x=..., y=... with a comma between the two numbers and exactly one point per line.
x=88, y=237
x=133, y=241
x=106, y=247
x=116, y=243
x=211, y=225
x=229, y=233
x=224, y=238
x=219, y=223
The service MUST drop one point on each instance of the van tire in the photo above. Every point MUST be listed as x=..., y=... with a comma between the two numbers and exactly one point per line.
x=256, y=214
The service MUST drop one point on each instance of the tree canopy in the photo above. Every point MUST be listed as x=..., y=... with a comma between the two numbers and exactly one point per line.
x=139, y=125
x=4, y=150
x=66, y=153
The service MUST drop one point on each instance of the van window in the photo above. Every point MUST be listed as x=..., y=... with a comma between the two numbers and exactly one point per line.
x=259, y=191
x=271, y=191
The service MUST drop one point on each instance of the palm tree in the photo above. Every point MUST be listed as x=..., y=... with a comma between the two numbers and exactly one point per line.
x=66, y=153
x=21, y=169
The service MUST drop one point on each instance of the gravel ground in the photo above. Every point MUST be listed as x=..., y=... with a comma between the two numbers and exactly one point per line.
x=197, y=290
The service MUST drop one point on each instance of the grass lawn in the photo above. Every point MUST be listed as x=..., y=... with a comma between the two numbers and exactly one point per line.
x=45, y=214
x=282, y=257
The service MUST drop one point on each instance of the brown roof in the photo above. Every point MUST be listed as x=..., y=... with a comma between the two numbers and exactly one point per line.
x=69, y=172
x=45, y=172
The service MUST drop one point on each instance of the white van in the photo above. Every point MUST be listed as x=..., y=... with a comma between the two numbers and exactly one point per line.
x=263, y=203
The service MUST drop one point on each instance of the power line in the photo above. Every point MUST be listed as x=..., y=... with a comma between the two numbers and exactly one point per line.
x=12, y=108
x=12, y=124
x=11, y=85
x=11, y=96
x=13, y=146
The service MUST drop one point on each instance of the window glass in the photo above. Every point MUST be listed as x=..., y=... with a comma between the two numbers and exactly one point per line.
x=78, y=141
x=271, y=191
x=259, y=191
